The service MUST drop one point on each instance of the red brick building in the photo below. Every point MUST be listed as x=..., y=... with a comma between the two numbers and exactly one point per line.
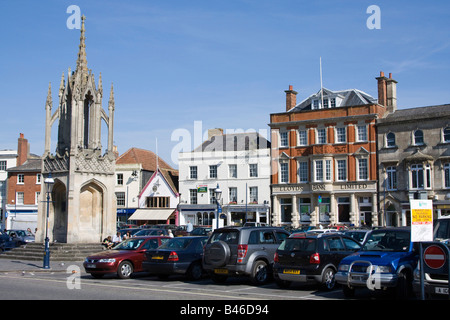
x=324, y=165
x=23, y=189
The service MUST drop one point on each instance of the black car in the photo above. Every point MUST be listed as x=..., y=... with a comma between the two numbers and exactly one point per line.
x=311, y=257
x=180, y=255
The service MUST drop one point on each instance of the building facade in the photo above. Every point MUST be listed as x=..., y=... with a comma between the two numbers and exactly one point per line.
x=8, y=159
x=23, y=189
x=324, y=157
x=414, y=161
x=239, y=164
x=134, y=170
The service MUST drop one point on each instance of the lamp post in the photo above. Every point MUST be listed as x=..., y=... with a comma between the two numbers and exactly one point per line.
x=49, y=182
x=218, y=195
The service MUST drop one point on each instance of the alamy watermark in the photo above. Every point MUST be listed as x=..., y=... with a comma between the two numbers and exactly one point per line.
x=74, y=279
x=74, y=20
x=374, y=21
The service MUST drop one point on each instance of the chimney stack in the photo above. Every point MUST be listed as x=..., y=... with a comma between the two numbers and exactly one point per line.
x=382, y=89
x=22, y=150
x=391, y=94
x=291, y=98
x=387, y=92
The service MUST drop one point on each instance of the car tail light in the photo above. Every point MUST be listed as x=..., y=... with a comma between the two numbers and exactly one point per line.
x=242, y=252
x=314, y=258
x=173, y=256
x=276, y=258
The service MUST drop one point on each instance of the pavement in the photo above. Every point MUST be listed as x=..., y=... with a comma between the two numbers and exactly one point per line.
x=14, y=265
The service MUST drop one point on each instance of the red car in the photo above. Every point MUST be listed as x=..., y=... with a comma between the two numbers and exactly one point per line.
x=124, y=259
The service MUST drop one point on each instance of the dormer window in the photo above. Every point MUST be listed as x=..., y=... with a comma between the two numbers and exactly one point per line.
x=315, y=104
x=333, y=102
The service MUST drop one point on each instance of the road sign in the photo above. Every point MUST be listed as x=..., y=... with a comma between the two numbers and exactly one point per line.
x=434, y=257
x=421, y=220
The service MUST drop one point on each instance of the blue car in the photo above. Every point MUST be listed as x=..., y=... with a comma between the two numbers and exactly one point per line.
x=386, y=261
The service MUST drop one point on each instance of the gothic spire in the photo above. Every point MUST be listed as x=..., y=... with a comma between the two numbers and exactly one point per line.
x=81, y=61
x=111, y=97
x=48, y=102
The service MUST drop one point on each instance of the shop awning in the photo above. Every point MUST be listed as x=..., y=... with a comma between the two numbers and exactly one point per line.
x=151, y=214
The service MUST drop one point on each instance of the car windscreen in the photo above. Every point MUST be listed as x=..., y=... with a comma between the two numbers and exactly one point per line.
x=388, y=240
x=228, y=236
x=129, y=244
x=176, y=244
x=298, y=244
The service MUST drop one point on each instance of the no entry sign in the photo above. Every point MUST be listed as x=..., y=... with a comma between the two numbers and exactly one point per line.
x=434, y=257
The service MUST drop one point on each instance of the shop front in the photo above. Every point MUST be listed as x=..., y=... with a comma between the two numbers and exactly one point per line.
x=349, y=204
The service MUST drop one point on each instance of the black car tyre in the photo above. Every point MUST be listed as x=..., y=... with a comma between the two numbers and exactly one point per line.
x=218, y=254
x=260, y=273
x=125, y=270
x=218, y=278
x=195, y=271
x=328, y=280
x=403, y=290
x=283, y=283
x=348, y=292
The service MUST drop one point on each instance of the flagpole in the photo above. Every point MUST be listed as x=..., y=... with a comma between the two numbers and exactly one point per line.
x=321, y=85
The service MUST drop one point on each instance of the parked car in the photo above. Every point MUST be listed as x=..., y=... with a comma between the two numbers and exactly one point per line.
x=201, y=231
x=386, y=261
x=359, y=235
x=124, y=259
x=435, y=282
x=6, y=242
x=131, y=230
x=312, y=258
x=180, y=255
x=21, y=236
x=242, y=251
x=151, y=232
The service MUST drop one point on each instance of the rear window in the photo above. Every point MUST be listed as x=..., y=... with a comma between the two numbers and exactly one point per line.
x=176, y=243
x=442, y=229
x=303, y=244
x=228, y=236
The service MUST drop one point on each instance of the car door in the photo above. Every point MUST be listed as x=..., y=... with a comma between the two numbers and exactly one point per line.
x=337, y=249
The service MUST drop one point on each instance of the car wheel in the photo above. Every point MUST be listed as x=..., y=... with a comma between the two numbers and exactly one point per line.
x=328, y=280
x=218, y=254
x=348, y=292
x=260, y=273
x=125, y=270
x=195, y=271
x=283, y=283
x=218, y=278
x=402, y=291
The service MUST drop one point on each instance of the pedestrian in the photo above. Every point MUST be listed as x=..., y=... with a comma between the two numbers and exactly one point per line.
x=170, y=233
x=189, y=227
x=107, y=243
x=117, y=238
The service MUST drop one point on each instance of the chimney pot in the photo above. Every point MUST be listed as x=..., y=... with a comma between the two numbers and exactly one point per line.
x=291, y=98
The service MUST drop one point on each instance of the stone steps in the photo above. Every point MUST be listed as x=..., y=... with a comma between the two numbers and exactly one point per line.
x=58, y=251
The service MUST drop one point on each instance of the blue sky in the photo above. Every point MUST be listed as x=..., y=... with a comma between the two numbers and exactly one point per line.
x=224, y=63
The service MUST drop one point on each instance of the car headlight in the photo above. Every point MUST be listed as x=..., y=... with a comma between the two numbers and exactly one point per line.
x=380, y=269
x=107, y=260
x=343, y=267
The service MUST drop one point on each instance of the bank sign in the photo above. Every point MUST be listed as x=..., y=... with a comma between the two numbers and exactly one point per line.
x=421, y=220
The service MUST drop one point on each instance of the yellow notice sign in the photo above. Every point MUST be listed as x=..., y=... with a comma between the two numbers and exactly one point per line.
x=421, y=220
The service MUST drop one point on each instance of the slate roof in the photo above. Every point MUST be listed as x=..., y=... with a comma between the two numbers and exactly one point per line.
x=234, y=142
x=350, y=97
x=414, y=114
x=33, y=164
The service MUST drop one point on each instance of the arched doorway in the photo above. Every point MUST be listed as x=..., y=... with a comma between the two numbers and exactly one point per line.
x=91, y=212
x=59, y=205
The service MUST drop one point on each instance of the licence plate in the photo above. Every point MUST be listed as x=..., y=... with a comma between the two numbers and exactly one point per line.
x=441, y=290
x=157, y=258
x=291, y=271
x=221, y=271
x=93, y=266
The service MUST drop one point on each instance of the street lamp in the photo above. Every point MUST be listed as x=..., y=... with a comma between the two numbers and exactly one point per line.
x=218, y=195
x=49, y=182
